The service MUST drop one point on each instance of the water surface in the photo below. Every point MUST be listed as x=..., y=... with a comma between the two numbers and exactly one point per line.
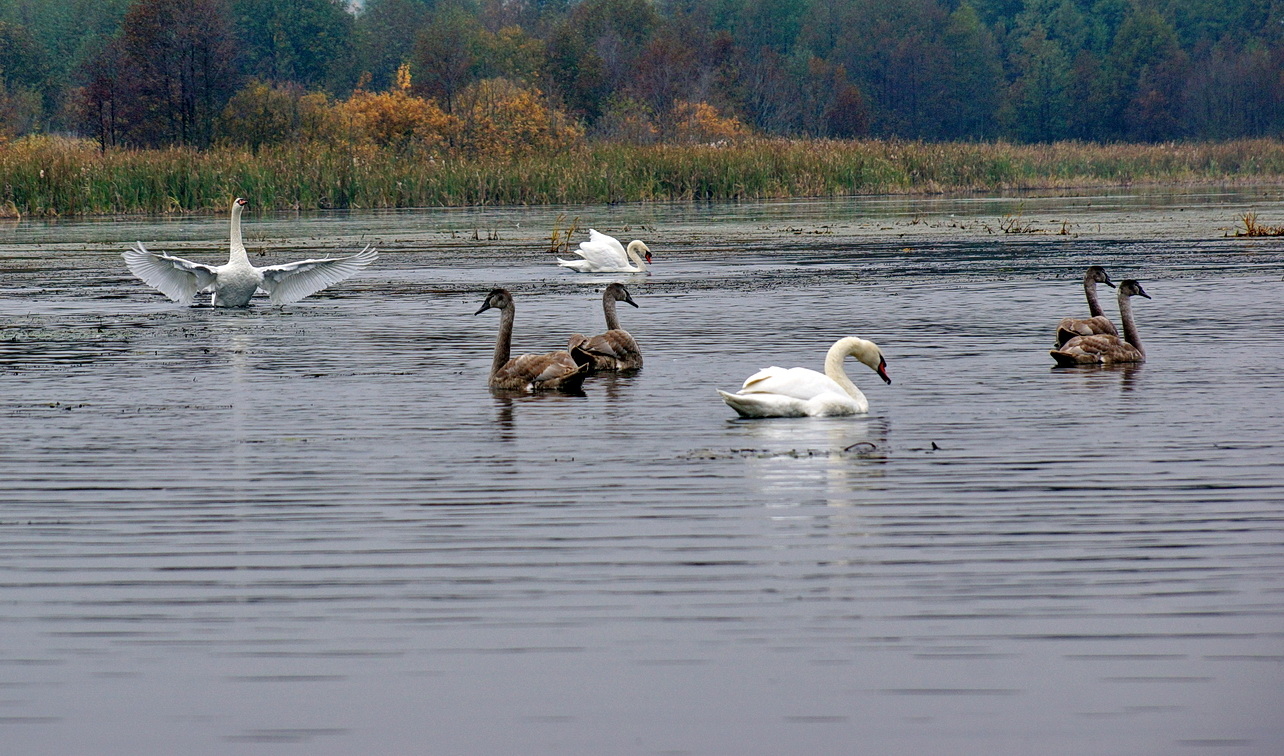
x=313, y=529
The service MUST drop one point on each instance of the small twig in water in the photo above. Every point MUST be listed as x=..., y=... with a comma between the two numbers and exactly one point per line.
x=865, y=446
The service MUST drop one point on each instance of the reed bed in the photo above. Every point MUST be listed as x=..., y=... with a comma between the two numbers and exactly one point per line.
x=47, y=176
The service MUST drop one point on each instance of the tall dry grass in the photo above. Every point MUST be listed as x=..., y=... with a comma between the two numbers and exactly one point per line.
x=50, y=176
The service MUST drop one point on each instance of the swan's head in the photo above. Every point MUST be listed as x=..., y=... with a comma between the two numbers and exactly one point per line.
x=239, y=203
x=1097, y=274
x=1131, y=288
x=499, y=299
x=617, y=292
x=639, y=246
x=866, y=352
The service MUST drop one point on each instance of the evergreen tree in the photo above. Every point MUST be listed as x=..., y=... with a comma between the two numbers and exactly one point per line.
x=308, y=42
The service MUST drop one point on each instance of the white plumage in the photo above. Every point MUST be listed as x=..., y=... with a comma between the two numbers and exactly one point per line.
x=605, y=254
x=799, y=392
x=234, y=283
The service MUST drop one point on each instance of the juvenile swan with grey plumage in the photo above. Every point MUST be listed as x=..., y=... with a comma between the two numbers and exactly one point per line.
x=554, y=371
x=1097, y=323
x=799, y=392
x=1103, y=349
x=236, y=282
x=616, y=349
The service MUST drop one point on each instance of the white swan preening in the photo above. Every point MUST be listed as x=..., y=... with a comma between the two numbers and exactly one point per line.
x=605, y=254
x=554, y=371
x=616, y=349
x=1104, y=349
x=236, y=282
x=1097, y=323
x=799, y=392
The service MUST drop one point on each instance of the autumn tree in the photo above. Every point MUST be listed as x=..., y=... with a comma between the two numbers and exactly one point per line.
x=502, y=118
x=697, y=122
x=399, y=119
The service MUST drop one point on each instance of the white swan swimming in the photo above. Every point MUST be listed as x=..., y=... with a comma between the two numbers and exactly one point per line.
x=236, y=282
x=799, y=392
x=1104, y=349
x=605, y=254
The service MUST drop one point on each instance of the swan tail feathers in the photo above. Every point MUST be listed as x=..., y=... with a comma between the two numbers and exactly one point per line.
x=1064, y=334
x=568, y=381
x=1066, y=358
x=583, y=357
x=762, y=405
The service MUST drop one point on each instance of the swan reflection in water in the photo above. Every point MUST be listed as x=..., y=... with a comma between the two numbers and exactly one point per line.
x=838, y=462
x=506, y=412
x=1127, y=375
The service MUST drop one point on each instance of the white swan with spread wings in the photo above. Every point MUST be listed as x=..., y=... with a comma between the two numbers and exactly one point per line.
x=234, y=283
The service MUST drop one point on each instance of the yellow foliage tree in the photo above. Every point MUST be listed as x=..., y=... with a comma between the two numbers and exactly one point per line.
x=397, y=118
x=501, y=118
x=696, y=122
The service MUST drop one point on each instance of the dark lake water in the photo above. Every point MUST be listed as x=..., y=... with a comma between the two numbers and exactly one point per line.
x=313, y=530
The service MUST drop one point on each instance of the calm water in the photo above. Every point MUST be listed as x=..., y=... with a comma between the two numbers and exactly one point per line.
x=313, y=530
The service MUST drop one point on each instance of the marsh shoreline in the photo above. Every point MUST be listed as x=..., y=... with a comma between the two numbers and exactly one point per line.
x=50, y=177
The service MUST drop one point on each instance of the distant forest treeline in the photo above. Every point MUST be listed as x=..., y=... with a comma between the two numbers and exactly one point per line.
x=488, y=75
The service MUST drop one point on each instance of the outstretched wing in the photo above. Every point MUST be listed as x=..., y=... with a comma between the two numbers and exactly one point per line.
x=175, y=277
x=294, y=281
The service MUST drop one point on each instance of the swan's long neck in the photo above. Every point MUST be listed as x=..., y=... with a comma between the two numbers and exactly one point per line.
x=504, y=343
x=834, y=369
x=608, y=306
x=634, y=256
x=1130, y=327
x=1094, y=306
x=238, y=247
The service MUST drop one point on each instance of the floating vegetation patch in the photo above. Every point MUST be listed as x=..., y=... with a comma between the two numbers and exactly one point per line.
x=1253, y=228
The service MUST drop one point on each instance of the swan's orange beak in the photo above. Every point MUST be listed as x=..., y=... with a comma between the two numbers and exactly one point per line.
x=882, y=370
x=648, y=257
x=242, y=202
